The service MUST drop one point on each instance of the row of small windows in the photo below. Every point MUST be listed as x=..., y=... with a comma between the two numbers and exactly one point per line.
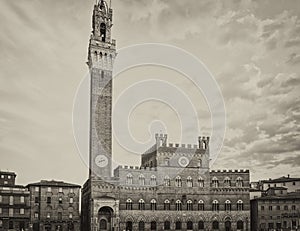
x=6, y=176
x=48, y=215
x=178, y=181
x=60, y=200
x=178, y=225
x=49, y=189
x=12, y=211
x=189, y=205
x=278, y=207
x=12, y=199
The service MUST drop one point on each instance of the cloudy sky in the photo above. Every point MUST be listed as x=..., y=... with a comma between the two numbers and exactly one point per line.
x=251, y=47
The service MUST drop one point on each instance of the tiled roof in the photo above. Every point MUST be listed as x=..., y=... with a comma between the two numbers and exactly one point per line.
x=289, y=196
x=281, y=179
x=54, y=183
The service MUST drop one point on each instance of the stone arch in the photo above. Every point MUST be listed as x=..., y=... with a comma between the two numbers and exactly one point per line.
x=105, y=215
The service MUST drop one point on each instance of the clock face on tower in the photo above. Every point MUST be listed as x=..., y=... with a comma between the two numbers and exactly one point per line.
x=101, y=161
x=183, y=161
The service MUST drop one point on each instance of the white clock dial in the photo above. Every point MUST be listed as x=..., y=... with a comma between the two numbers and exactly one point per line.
x=101, y=161
x=183, y=161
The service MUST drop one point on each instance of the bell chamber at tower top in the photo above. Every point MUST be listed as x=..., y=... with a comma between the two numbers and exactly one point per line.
x=102, y=22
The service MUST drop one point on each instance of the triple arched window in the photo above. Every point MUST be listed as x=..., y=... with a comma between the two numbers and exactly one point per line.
x=201, y=205
x=129, y=179
x=141, y=179
x=215, y=205
x=178, y=205
x=227, y=205
x=141, y=204
x=166, y=204
x=178, y=181
x=189, y=182
x=153, y=204
x=201, y=182
x=239, y=182
x=227, y=182
x=240, y=205
x=167, y=181
x=189, y=205
x=215, y=182
x=128, y=204
x=153, y=180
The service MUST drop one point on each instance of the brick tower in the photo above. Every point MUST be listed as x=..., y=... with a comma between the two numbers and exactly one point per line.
x=101, y=55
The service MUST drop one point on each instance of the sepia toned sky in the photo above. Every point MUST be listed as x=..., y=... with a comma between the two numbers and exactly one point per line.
x=251, y=47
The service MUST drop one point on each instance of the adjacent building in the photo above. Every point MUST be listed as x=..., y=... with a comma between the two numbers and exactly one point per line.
x=173, y=188
x=54, y=205
x=292, y=184
x=276, y=210
x=14, y=203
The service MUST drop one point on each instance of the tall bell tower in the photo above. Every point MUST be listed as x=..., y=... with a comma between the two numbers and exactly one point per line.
x=101, y=55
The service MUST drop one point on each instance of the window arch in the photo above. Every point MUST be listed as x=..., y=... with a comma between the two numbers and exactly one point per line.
x=167, y=162
x=201, y=205
x=239, y=182
x=141, y=226
x=103, y=32
x=189, y=225
x=178, y=205
x=227, y=205
x=128, y=204
x=189, y=181
x=153, y=180
x=178, y=225
x=166, y=204
x=153, y=225
x=215, y=182
x=167, y=225
x=153, y=204
x=215, y=225
x=240, y=225
x=167, y=181
x=189, y=205
x=141, y=204
x=215, y=205
x=141, y=179
x=201, y=182
x=129, y=178
x=178, y=181
x=227, y=182
x=240, y=205
x=201, y=225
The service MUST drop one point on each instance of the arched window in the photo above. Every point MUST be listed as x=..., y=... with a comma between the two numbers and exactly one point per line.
x=167, y=205
x=189, y=205
x=167, y=225
x=153, y=204
x=153, y=225
x=201, y=225
x=201, y=182
x=103, y=224
x=215, y=205
x=240, y=225
x=167, y=181
x=178, y=182
x=178, y=225
x=240, y=205
x=167, y=162
x=178, y=205
x=215, y=182
x=189, y=182
x=227, y=205
x=215, y=225
x=141, y=204
x=189, y=225
x=129, y=178
x=129, y=204
x=103, y=32
x=227, y=182
x=129, y=225
x=141, y=179
x=239, y=182
x=141, y=226
x=153, y=180
x=201, y=205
